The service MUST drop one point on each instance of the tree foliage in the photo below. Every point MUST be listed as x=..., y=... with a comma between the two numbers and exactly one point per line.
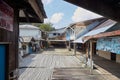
x=46, y=27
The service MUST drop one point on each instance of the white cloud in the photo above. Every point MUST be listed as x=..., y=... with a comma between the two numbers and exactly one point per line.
x=56, y=18
x=47, y=1
x=81, y=14
x=46, y=20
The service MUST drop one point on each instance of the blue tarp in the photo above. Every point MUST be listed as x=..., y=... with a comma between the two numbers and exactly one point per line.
x=111, y=44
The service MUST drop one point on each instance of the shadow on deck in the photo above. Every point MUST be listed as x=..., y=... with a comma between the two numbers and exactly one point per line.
x=110, y=66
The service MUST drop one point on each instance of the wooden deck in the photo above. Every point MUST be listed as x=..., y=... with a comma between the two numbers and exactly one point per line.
x=57, y=64
x=50, y=61
x=42, y=66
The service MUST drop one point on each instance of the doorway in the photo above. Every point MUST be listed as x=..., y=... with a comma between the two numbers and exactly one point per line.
x=2, y=61
x=113, y=56
x=94, y=48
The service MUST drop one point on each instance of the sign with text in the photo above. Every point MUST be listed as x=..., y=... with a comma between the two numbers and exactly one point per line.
x=6, y=16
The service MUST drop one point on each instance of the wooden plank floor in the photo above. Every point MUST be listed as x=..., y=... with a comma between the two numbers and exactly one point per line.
x=41, y=66
x=36, y=74
x=50, y=61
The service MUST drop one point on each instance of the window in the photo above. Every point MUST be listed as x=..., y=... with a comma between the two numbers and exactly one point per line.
x=59, y=34
x=54, y=33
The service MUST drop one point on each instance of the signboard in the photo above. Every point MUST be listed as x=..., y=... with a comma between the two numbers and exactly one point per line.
x=6, y=16
x=109, y=44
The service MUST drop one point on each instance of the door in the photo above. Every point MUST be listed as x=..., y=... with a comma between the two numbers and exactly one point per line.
x=2, y=62
x=94, y=48
x=113, y=56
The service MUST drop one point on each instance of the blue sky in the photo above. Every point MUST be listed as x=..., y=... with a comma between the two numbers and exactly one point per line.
x=61, y=13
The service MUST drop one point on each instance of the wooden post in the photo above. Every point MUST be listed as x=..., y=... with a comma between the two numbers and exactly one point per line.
x=74, y=43
x=87, y=53
x=91, y=58
x=74, y=48
x=69, y=46
x=13, y=47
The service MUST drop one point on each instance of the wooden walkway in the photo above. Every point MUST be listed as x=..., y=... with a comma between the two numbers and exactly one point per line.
x=57, y=65
x=42, y=66
x=50, y=61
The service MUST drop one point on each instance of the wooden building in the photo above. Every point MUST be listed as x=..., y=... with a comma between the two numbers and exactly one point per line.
x=58, y=34
x=77, y=30
x=107, y=43
x=57, y=38
x=11, y=13
x=27, y=32
x=90, y=48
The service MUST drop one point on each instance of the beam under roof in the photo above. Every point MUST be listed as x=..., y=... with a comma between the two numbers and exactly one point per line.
x=107, y=8
x=32, y=8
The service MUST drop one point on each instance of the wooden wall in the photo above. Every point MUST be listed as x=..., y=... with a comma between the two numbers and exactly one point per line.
x=12, y=39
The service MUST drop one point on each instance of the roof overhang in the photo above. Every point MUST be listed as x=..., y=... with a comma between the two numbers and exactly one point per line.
x=57, y=40
x=107, y=8
x=105, y=34
x=100, y=29
x=29, y=10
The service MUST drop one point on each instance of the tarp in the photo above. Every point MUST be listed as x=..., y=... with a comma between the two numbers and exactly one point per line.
x=110, y=44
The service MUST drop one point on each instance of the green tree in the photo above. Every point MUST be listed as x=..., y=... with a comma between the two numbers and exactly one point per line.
x=46, y=27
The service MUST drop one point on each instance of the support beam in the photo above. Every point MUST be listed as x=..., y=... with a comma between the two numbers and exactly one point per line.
x=27, y=16
x=23, y=19
x=36, y=9
x=74, y=48
x=69, y=45
x=87, y=52
x=91, y=60
x=105, y=34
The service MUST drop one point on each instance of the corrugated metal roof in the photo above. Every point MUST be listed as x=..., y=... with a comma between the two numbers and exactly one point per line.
x=27, y=26
x=106, y=23
x=58, y=31
x=99, y=29
x=113, y=31
x=114, y=28
x=90, y=27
